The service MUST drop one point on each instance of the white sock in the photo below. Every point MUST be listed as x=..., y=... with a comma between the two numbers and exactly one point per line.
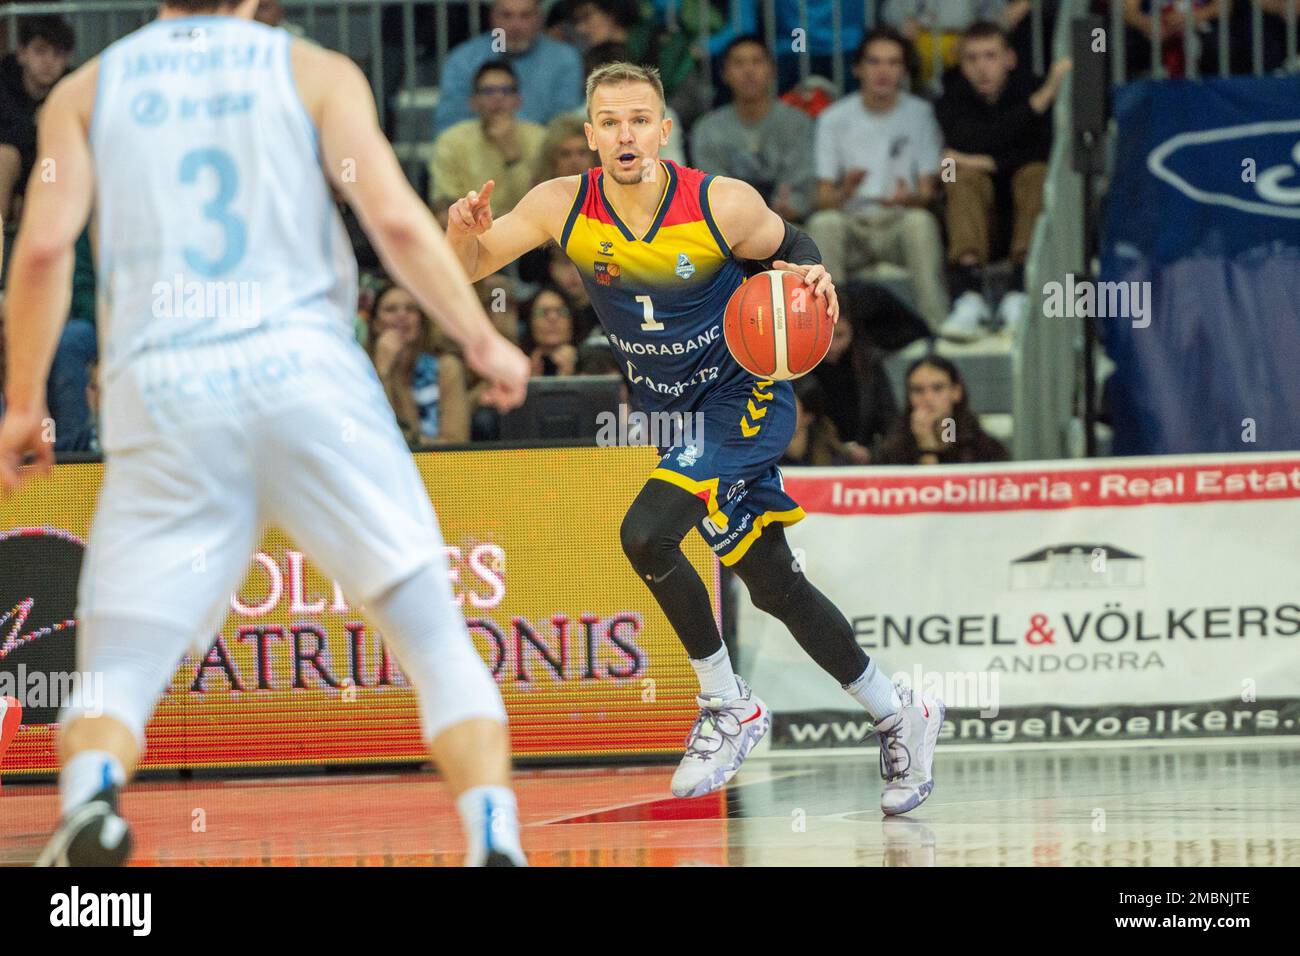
x=717, y=679
x=874, y=692
x=87, y=773
x=490, y=817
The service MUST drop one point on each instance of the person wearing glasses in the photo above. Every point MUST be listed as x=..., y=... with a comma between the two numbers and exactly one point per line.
x=497, y=145
x=548, y=339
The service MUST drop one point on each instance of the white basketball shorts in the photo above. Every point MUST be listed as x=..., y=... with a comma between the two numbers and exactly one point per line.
x=205, y=446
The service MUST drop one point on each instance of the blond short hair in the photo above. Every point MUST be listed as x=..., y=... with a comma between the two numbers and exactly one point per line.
x=612, y=74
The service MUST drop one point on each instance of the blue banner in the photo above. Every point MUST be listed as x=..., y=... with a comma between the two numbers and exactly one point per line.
x=1202, y=233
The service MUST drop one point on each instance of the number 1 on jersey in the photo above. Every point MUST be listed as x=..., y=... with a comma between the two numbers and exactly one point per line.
x=648, y=323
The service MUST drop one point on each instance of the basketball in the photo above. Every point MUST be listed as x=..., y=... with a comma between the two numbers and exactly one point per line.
x=776, y=327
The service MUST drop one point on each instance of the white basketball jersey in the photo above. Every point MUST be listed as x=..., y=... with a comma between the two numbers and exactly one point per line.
x=214, y=217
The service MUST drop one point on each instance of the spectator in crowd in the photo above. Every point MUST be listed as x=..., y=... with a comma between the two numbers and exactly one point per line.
x=26, y=77
x=931, y=23
x=563, y=274
x=497, y=146
x=87, y=437
x=550, y=73
x=564, y=150
x=548, y=340
x=756, y=137
x=597, y=57
x=1162, y=21
x=815, y=440
x=78, y=347
x=427, y=392
x=994, y=120
x=497, y=293
x=558, y=22
x=615, y=21
x=938, y=427
x=876, y=154
x=859, y=400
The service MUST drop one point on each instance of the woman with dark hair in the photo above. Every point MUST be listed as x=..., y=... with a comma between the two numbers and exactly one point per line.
x=938, y=427
x=548, y=334
x=427, y=392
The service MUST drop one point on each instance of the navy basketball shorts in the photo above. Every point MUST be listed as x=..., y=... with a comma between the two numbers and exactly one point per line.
x=730, y=462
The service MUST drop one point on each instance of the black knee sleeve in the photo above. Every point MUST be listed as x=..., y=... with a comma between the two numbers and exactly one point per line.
x=651, y=535
x=652, y=550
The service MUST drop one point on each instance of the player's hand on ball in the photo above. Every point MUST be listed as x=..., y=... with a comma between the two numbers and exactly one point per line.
x=23, y=442
x=819, y=280
x=505, y=367
x=471, y=215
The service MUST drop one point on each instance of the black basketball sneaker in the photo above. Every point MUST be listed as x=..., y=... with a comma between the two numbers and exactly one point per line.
x=91, y=835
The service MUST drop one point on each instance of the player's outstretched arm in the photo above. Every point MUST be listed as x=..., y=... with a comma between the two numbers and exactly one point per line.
x=360, y=162
x=484, y=246
x=763, y=236
x=55, y=210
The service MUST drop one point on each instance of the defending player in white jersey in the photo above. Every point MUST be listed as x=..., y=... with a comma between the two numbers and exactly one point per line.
x=206, y=146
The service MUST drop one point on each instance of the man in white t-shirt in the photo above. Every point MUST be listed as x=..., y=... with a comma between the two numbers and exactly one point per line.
x=877, y=156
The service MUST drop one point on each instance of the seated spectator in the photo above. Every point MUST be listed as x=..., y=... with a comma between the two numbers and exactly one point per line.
x=815, y=441
x=26, y=77
x=756, y=137
x=597, y=57
x=497, y=146
x=881, y=318
x=564, y=150
x=558, y=23
x=548, y=339
x=926, y=23
x=1162, y=21
x=550, y=73
x=497, y=293
x=615, y=21
x=938, y=427
x=562, y=274
x=87, y=437
x=859, y=400
x=427, y=392
x=994, y=120
x=876, y=154
x=66, y=387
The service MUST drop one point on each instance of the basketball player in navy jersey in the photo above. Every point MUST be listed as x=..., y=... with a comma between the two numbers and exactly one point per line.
x=660, y=248
x=206, y=147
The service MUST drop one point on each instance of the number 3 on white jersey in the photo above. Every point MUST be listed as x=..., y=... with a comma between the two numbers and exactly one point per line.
x=648, y=323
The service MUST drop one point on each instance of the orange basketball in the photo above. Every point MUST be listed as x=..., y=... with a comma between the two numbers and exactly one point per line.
x=776, y=327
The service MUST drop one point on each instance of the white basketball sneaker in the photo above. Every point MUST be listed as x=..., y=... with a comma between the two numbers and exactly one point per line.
x=724, y=734
x=907, y=743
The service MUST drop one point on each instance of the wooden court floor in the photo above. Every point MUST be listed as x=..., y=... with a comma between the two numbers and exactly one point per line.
x=1185, y=806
